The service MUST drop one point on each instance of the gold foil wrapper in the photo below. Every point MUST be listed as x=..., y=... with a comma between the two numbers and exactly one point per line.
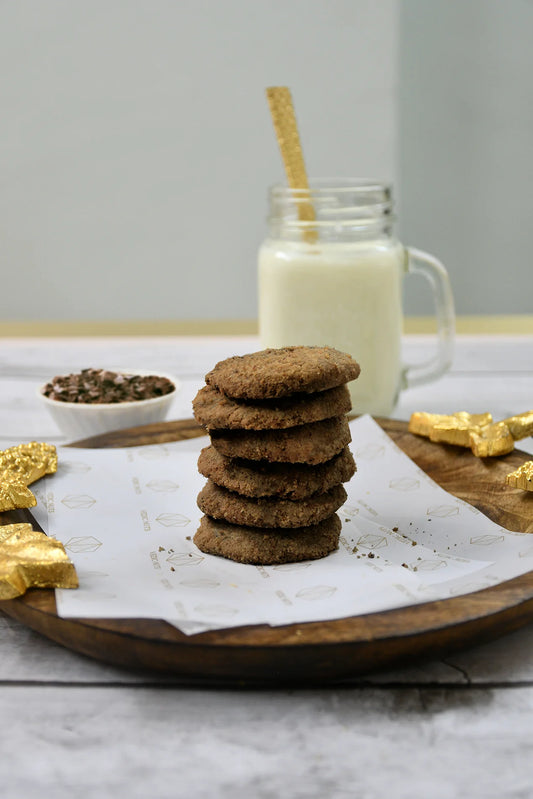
x=450, y=428
x=30, y=559
x=475, y=430
x=29, y=462
x=522, y=477
x=421, y=423
x=15, y=495
x=457, y=428
x=521, y=425
x=491, y=440
x=19, y=467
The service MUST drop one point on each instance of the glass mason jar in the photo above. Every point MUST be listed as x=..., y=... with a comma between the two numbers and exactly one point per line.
x=330, y=273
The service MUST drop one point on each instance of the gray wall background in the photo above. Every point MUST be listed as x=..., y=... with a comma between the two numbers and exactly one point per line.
x=136, y=145
x=465, y=158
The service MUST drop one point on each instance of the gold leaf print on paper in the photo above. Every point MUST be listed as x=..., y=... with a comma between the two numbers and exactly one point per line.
x=73, y=467
x=404, y=484
x=78, y=501
x=442, y=511
x=469, y=588
x=350, y=510
x=372, y=541
x=428, y=565
x=291, y=567
x=316, y=592
x=370, y=452
x=162, y=486
x=486, y=540
x=200, y=582
x=172, y=520
x=153, y=453
x=181, y=613
x=185, y=559
x=83, y=543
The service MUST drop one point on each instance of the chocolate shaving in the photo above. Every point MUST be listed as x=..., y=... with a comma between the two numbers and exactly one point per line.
x=100, y=386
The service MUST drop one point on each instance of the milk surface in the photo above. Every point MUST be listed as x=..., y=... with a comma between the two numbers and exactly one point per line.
x=345, y=295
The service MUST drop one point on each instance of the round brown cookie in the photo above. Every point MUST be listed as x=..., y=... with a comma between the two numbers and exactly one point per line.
x=268, y=547
x=281, y=372
x=219, y=503
x=308, y=443
x=214, y=409
x=284, y=480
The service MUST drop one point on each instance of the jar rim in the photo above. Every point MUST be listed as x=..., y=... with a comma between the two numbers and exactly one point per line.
x=342, y=185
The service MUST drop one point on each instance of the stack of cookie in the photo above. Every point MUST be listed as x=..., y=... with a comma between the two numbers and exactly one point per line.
x=278, y=455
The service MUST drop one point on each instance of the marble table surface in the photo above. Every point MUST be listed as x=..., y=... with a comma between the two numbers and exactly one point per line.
x=461, y=726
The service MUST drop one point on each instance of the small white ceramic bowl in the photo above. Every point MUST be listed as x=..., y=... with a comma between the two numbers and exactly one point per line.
x=78, y=420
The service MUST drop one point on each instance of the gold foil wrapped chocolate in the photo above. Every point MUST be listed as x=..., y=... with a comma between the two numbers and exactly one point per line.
x=522, y=477
x=29, y=462
x=421, y=422
x=520, y=426
x=30, y=559
x=15, y=495
x=453, y=428
x=475, y=430
x=19, y=467
x=456, y=429
x=491, y=440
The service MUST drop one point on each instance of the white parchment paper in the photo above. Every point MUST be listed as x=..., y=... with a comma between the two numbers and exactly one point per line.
x=127, y=518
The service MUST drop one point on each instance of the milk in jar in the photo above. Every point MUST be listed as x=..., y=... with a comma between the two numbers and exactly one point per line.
x=330, y=274
x=344, y=295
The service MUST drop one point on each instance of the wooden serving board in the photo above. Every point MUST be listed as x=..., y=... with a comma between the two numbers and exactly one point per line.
x=317, y=652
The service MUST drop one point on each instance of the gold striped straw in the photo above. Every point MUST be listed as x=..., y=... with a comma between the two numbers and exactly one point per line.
x=286, y=127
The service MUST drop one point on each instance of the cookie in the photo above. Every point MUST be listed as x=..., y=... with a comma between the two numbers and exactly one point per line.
x=307, y=443
x=268, y=547
x=284, y=480
x=282, y=372
x=219, y=503
x=213, y=409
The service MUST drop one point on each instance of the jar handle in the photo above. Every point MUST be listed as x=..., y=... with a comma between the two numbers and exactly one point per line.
x=421, y=263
